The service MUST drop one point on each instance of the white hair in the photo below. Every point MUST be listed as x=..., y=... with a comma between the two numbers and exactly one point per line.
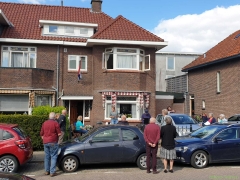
x=52, y=115
x=222, y=116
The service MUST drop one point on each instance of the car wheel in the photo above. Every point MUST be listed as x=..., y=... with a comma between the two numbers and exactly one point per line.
x=8, y=164
x=69, y=164
x=141, y=161
x=199, y=159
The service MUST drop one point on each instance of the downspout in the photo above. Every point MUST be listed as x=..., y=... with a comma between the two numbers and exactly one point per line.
x=58, y=60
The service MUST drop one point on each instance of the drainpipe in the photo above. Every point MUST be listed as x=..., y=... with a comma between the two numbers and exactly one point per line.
x=58, y=59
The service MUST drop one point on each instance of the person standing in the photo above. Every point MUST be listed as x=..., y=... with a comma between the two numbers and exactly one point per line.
x=168, y=152
x=123, y=120
x=62, y=124
x=114, y=116
x=151, y=137
x=50, y=132
x=145, y=117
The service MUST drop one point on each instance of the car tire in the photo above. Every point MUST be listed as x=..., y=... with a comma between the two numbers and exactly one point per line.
x=142, y=161
x=8, y=164
x=69, y=164
x=199, y=159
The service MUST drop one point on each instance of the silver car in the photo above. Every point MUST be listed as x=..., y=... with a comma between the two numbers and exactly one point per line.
x=184, y=123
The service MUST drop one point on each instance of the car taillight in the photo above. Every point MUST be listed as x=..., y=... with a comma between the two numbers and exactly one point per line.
x=21, y=144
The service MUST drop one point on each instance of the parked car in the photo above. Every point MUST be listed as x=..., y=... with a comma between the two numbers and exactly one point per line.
x=184, y=123
x=14, y=176
x=215, y=143
x=16, y=147
x=104, y=144
x=234, y=119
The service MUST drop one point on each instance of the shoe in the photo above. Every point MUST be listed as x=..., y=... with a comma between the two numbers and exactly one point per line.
x=156, y=172
x=46, y=173
x=165, y=171
x=148, y=171
x=171, y=171
x=54, y=174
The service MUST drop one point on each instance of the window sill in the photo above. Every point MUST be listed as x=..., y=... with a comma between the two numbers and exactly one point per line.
x=122, y=71
x=75, y=71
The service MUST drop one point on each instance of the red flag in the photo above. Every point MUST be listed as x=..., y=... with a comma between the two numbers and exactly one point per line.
x=79, y=71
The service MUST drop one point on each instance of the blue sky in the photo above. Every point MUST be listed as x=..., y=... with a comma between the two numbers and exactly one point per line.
x=188, y=25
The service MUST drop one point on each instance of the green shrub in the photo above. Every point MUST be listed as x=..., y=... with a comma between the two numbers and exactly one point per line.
x=45, y=110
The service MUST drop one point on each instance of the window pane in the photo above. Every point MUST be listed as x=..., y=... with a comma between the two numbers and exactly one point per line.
x=83, y=63
x=5, y=59
x=134, y=111
x=108, y=110
x=228, y=134
x=126, y=109
x=7, y=135
x=25, y=60
x=83, y=30
x=32, y=60
x=170, y=63
x=17, y=59
x=129, y=135
x=42, y=100
x=72, y=60
x=127, y=61
x=107, y=136
x=127, y=50
x=53, y=29
x=126, y=98
x=69, y=29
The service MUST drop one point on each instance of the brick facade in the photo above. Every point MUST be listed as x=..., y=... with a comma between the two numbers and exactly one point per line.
x=203, y=85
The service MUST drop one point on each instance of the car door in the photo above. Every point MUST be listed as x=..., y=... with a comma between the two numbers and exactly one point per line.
x=131, y=145
x=227, y=147
x=104, y=147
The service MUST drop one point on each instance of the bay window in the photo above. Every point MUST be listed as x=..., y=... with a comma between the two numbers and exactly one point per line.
x=125, y=59
x=18, y=56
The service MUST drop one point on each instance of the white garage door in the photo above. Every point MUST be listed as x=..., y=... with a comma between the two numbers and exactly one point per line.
x=14, y=103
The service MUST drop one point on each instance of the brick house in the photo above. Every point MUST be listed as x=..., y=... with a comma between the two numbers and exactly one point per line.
x=43, y=47
x=213, y=78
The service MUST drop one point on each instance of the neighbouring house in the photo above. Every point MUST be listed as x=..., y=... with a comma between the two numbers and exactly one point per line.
x=171, y=82
x=80, y=58
x=213, y=78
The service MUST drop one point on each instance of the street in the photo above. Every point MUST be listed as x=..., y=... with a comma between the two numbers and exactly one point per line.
x=230, y=171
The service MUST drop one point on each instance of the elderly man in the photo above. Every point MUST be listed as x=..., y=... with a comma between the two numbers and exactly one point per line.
x=151, y=137
x=49, y=132
x=123, y=120
x=62, y=124
x=211, y=119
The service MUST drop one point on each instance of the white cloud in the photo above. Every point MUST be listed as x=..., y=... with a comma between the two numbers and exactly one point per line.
x=199, y=32
x=32, y=1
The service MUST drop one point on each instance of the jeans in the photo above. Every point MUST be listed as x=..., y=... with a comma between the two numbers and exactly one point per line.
x=114, y=121
x=60, y=138
x=51, y=154
x=151, y=152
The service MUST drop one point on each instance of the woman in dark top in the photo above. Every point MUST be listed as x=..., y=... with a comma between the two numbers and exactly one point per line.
x=168, y=152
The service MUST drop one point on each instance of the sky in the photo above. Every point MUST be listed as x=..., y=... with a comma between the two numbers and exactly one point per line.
x=187, y=25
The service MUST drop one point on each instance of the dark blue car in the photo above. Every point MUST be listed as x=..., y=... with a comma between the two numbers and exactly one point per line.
x=216, y=143
x=105, y=144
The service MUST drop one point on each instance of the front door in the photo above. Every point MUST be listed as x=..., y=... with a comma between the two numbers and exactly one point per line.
x=76, y=109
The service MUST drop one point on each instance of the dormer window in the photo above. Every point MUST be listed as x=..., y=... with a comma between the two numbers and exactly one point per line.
x=53, y=29
x=69, y=30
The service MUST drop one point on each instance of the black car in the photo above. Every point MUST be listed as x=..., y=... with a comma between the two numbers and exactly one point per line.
x=234, y=119
x=104, y=144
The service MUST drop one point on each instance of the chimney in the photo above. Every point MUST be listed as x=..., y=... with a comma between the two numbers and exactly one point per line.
x=96, y=5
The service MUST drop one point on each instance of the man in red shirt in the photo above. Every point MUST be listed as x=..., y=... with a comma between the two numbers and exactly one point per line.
x=152, y=136
x=49, y=132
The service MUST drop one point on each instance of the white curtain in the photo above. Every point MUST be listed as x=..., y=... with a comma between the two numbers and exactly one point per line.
x=108, y=110
x=134, y=111
x=17, y=59
x=127, y=61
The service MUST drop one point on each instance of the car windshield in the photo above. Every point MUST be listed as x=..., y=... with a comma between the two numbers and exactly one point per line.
x=183, y=119
x=86, y=135
x=206, y=131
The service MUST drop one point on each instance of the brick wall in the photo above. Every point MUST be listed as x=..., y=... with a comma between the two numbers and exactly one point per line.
x=203, y=85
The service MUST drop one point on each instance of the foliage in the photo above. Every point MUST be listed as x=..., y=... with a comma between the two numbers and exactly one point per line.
x=45, y=110
x=88, y=127
x=198, y=118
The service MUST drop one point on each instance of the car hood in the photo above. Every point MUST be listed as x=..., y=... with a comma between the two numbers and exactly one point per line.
x=70, y=143
x=187, y=140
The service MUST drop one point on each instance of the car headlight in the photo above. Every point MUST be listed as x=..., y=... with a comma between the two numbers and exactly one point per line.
x=59, y=151
x=183, y=148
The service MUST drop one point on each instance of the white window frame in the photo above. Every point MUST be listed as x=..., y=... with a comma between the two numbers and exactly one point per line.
x=167, y=61
x=203, y=104
x=218, y=82
x=28, y=52
x=138, y=110
x=78, y=57
x=139, y=66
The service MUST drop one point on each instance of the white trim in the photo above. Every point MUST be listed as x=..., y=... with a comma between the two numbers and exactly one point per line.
x=164, y=97
x=41, y=22
x=178, y=53
x=5, y=18
x=77, y=98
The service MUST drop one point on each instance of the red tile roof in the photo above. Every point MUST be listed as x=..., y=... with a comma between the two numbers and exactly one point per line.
x=123, y=29
x=25, y=18
x=227, y=48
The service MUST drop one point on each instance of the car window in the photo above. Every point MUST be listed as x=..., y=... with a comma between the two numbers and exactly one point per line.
x=233, y=118
x=129, y=135
x=20, y=132
x=226, y=134
x=159, y=118
x=181, y=119
x=206, y=131
x=107, y=136
x=6, y=135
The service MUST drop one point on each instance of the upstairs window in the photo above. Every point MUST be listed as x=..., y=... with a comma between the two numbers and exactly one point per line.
x=53, y=29
x=170, y=63
x=18, y=56
x=125, y=59
x=74, y=61
x=69, y=30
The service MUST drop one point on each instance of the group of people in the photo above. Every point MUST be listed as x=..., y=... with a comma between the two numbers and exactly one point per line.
x=167, y=134
x=209, y=119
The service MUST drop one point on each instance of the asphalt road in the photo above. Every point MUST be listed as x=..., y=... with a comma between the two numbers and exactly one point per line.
x=230, y=171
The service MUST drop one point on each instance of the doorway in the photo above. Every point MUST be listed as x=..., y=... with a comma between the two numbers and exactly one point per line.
x=76, y=109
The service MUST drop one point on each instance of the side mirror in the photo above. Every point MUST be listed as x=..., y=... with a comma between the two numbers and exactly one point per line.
x=217, y=139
